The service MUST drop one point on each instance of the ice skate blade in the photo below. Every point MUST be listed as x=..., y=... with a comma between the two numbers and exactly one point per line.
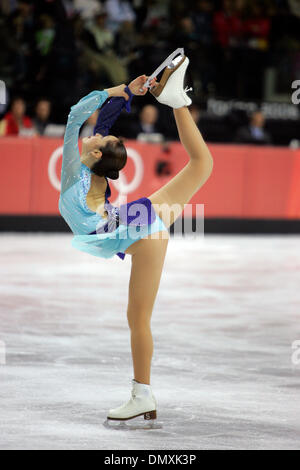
x=132, y=425
x=162, y=66
x=159, y=87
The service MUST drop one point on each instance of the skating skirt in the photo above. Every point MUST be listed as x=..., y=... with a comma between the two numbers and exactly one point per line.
x=123, y=226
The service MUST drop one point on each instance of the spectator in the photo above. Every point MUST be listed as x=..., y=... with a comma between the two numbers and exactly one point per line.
x=126, y=43
x=119, y=11
x=25, y=9
x=99, y=51
x=16, y=122
x=228, y=25
x=56, y=67
x=255, y=132
x=202, y=17
x=205, y=71
x=185, y=33
x=42, y=123
x=42, y=114
x=7, y=6
x=69, y=55
x=8, y=52
x=45, y=35
x=20, y=40
x=294, y=7
x=147, y=123
x=88, y=128
x=257, y=27
x=157, y=13
x=87, y=8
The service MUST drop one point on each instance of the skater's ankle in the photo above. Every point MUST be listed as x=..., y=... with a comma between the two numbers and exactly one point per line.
x=142, y=383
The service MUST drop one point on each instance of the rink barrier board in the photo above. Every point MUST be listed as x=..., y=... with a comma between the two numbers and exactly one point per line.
x=248, y=182
x=55, y=224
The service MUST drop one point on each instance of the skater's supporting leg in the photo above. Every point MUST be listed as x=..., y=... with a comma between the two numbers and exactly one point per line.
x=147, y=262
x=176, y=193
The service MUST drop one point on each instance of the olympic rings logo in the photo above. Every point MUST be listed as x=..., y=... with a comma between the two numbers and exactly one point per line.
x=52, y=168
x=122, y=185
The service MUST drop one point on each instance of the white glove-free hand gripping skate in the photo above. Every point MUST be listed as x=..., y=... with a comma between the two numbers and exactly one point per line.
x=170, y=90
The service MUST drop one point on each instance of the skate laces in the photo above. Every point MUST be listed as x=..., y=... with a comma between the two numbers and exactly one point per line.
x=187, y=89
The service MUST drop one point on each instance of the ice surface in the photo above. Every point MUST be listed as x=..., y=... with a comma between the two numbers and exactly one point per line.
x=226, y=316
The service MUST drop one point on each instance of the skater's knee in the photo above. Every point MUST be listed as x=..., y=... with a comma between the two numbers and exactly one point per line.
x=139, y=318
x=195, y=168
x=200, y=170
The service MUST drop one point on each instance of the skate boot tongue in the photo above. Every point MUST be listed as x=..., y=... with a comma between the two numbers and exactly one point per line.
x=140, y=389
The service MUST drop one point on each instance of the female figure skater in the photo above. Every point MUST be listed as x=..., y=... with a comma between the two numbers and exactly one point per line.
x=103, y=230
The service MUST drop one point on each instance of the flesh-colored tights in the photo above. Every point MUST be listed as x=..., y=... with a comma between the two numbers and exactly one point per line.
x=148, y=255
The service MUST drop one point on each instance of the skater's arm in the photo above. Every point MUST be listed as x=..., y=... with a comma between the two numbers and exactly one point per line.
x=111, y=111
x=78, y=115
x=86, y=107
x=193, y=141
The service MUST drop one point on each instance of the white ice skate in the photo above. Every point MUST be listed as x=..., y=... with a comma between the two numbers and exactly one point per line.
x=170, y=90
x=141, y=403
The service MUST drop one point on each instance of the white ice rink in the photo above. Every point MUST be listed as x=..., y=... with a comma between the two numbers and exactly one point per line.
x=224, y=371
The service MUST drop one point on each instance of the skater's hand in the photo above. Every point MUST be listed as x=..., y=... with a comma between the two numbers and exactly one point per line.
x=153, y=84
x=137, y=86
x=118, y=91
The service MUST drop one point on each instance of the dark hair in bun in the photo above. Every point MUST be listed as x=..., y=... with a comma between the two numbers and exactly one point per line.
x=112, y=174
x=114, y=158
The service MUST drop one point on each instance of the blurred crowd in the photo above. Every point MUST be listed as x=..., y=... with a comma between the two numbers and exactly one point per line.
x=55, y=51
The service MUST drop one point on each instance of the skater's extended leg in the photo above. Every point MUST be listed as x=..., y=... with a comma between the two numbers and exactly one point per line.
x=147, y=262
x=169, y=201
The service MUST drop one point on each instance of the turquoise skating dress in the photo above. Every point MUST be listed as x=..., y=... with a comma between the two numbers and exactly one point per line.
x=94, y=234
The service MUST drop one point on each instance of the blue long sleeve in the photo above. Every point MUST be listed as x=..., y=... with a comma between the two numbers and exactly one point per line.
x=110, y=112
x=70, y=173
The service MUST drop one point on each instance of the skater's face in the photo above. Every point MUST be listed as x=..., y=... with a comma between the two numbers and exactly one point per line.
x=91, y=152
x=96, y=141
